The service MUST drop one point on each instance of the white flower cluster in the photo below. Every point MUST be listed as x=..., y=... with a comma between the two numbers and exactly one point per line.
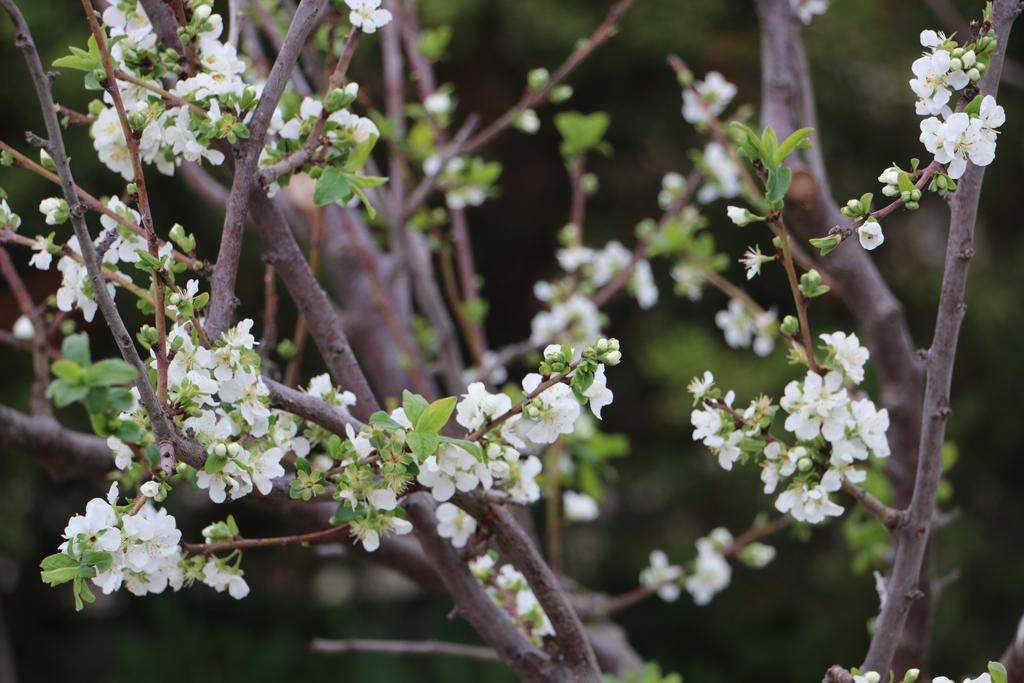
x=225, y=407
x=721, y=174
x=744, y=328
x=833, y=432
x=955, y=138
x=708, y=574
x=138, y=547
x=711, y=573
x=598, y=267
x=144, y=555
x=707, y=98
x=510, y=590
x=168, y=134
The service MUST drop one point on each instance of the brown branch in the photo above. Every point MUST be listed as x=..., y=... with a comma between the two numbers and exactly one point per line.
x=913, y=538
x=272, y=542
x=890, y=517
x=417, y=648
x=40, y=345
x=223, y=299
x=474, y=604
x=282, y=251
x=63, y=452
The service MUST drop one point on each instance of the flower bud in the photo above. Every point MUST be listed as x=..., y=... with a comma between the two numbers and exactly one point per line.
x=537, y=79
x=234, y=450
x=969, y=59
x=220, y=450
x=911, y=675
x=804, y=464
x=955, y=64
x=974, y=74
x=560, y=93
x=790, y=326
x=150, y=489
x=203, y=12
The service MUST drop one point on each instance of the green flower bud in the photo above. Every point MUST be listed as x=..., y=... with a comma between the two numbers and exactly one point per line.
x=537, y=79
x=790, y=326
x=560, y=93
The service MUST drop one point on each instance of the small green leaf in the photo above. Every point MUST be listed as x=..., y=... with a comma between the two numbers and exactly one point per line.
x=423, y=444
x=435, y=416
x=778, y=182
x=109, y=371
x=68, y=370
x=997, y=671
x=414, y=405
x=825, y=244
x=331, y=188
x=865, y=202
x=215, y=463
x=799, y=139
x=64, y=394
x=382, y=419
x=76, y=348
x=471, y=447
x=359, y=154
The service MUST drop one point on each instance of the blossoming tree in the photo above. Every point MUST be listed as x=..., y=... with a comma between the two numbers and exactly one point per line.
x=414, y=447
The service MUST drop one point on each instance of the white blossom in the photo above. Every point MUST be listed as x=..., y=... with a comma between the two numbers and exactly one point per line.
x=579, y=507
x=367, y=15
x=662, y=576
x=454, y=523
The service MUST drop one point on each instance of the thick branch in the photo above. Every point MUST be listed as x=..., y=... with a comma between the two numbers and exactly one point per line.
x=910, y=552
x=223, y=299
x=281, y=250
x=492, y=623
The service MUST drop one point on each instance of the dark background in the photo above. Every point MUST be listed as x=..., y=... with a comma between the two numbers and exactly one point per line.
x=788, y=622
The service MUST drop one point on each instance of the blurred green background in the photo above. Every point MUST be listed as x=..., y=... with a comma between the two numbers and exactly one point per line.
x=788, y=622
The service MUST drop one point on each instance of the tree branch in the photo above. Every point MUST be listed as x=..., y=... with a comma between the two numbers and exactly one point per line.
x=910, y=551
x=419, y=648
x=223, y=300
x=471, y=600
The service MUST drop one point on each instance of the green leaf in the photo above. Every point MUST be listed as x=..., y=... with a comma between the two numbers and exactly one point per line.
x=997, y=671
x=581, y=132
x=302, y=465
x=215, y=463
x=423, y=444
x=130, y=432
x=435, y=416
x=470, y=447
x=64, y=394
x=359, y=154
x=778, y=182
x=974, y=106
x=769, y=148
x=747, y=141
x=109, y=371
x=825, y=244
x=58, y=568
x=414, y=405
x=76, y=348
x=332, y=187
x=382, y=419
x=865, y=202
x=904, y=183
x=120, y=399
x=797, y=140
x=68, y=370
